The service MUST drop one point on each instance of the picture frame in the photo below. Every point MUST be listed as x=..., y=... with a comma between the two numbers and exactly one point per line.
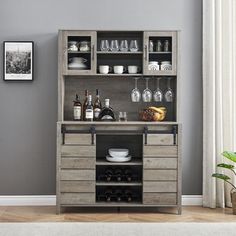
x=18, y=60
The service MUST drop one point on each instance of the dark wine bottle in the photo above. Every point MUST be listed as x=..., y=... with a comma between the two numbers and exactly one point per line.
x=89, y=109
x=128, y=174
x=85, y=103
x=97, y=107
x=119, y=195
x=107, y=113
x=118, y=175
x=128, y=195
x=77, y=108
x=108, y=194
x=108, y=174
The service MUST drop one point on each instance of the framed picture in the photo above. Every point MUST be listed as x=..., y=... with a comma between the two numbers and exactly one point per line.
x=18, y=60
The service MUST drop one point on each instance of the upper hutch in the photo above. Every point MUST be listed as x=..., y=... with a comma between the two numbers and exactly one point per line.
x=82, y=146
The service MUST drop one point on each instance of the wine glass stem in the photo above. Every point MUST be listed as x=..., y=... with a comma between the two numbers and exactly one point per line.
x=136, y=83
x=147, y=83
x=158, y=83
x=168, y=83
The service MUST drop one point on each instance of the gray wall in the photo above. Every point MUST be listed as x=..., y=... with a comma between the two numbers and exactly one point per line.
x=28, y=110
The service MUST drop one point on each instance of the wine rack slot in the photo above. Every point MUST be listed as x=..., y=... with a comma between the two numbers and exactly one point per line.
x=119, y=174
x=119, y=194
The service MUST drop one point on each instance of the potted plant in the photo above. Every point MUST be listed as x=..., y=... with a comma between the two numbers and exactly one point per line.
x=232, y=157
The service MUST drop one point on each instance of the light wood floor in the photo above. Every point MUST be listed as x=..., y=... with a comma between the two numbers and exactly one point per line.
x=48, y=214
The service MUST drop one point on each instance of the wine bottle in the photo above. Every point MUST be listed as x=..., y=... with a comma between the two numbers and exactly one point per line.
x=108, y=194
x=85, y=103
x=77, y=108
x=128, y=174
x=128, y=195
x=118, y=174
x=119, y=195
x=107, y=113
x=89, y=109
x=97, y=107
x=108, y=174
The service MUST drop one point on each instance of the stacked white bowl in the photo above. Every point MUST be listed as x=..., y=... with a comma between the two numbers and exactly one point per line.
x=118, y=155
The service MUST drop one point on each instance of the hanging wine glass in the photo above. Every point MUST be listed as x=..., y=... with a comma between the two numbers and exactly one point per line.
x=169, y=95
x=147, y=93
x=135, y=94
x=158, y=95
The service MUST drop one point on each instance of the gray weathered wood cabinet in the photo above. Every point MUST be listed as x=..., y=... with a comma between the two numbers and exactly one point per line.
x=82, y=146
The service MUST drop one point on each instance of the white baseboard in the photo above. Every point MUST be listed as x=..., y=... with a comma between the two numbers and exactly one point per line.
x=50, y=200
x=28, y=200
x=192, y=200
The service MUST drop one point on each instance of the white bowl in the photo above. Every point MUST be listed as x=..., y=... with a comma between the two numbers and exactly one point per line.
x=118, y=159
x=118, y=152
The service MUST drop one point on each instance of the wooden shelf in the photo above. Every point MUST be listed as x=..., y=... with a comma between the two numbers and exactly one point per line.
x=78, y=52
x=118, y=184
x=119, y=53
x=119, y=75
x=118, y=204
x=160, y=52
x=155, y=73
x=106, y=163
x=118, y=123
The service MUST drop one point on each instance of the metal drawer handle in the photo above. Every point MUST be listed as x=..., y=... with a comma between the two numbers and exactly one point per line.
x=93, y=131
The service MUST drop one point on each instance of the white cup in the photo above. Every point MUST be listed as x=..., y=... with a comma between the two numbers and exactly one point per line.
x=104, y=69
x=133, y=69
x=119, y=69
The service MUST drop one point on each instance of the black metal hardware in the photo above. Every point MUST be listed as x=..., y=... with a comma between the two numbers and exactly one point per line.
x=63, y=131
x=145, y=130
x=174, y=133
x=92, y=131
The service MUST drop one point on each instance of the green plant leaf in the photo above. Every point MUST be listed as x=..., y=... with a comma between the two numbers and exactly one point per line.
x=227, y=166
x=221, y=176
x=230, y=155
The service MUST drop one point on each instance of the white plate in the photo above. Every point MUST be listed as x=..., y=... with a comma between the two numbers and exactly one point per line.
x=118, y=152
x=118, y=159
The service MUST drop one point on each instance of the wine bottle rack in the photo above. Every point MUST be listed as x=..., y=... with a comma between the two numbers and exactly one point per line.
x=119, y=194
x=126, y=175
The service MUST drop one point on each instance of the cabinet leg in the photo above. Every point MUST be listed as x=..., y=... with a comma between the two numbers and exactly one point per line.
x=58, y=210
x=179, y=210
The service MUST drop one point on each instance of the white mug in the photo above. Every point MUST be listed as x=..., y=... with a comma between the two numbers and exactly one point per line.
x=119, y=69
x=104, y=69
x=133, y=69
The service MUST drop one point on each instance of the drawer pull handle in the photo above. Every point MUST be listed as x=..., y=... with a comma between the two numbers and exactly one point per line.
x=174, y=133
x=145, y=130
x=93, y=131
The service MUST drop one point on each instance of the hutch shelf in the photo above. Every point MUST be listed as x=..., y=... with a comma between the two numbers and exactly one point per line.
x=82, y=146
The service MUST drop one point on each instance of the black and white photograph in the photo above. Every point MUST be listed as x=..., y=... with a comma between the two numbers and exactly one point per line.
x=18, y=60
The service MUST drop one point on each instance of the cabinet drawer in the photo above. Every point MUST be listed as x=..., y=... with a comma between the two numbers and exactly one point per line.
x=160, y=198
x=159, y=175
x=153, y=151
x=159, y=187
x=78, y=175
x=77, y=198
x=77, y=186
x=79, y=139
x=160, y=163
x=78, y=163
x=83, y=151
x=160, y=139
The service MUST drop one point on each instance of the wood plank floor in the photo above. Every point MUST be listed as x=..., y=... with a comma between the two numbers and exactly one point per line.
x=48, y=214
